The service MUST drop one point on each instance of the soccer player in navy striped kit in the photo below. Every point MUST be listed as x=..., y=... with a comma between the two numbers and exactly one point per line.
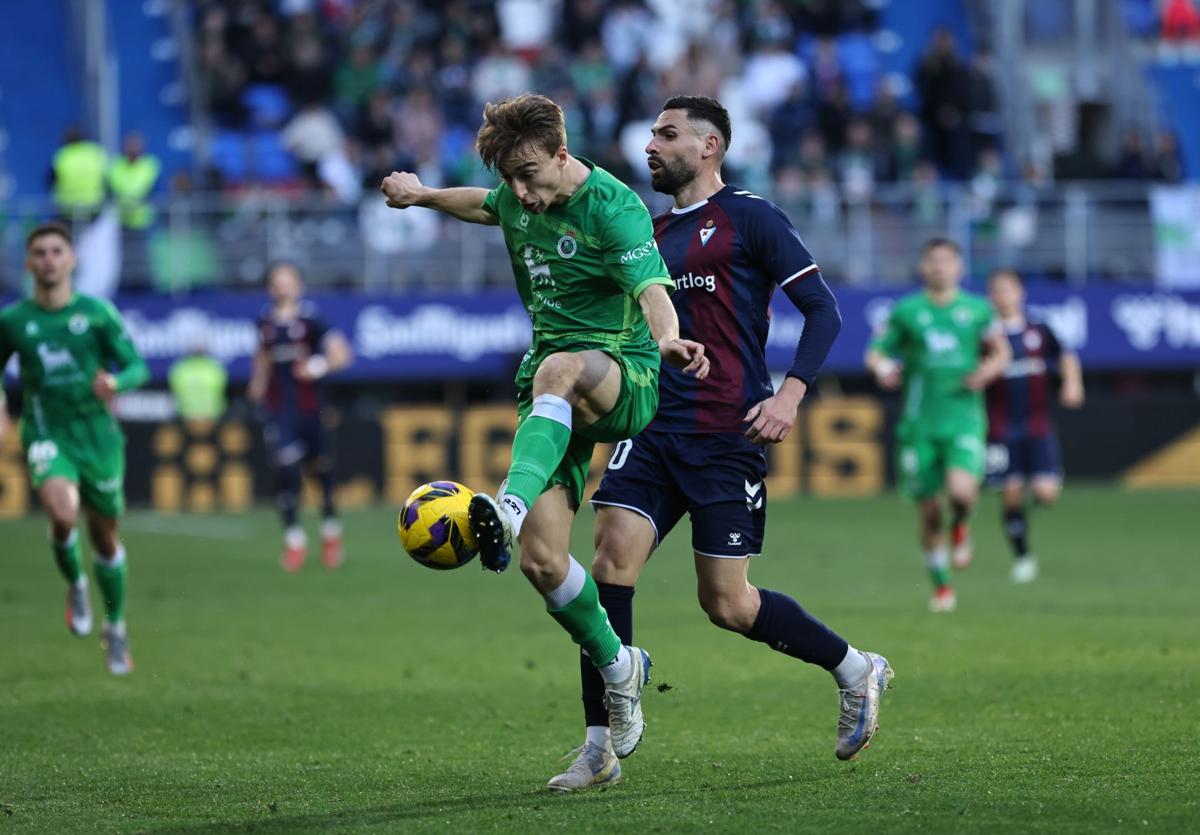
x=1022, y=446
x=728, y=251
x=296, y=351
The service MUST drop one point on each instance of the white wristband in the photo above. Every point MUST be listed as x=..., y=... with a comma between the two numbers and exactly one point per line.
x=885, y=367
x=317, y=366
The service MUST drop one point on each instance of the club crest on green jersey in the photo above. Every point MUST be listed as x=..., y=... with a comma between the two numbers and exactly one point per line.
x=567, y=246
x=78, y=324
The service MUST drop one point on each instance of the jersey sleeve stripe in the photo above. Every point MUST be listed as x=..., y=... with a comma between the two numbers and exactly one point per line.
x=660, y=279
x=797, y=274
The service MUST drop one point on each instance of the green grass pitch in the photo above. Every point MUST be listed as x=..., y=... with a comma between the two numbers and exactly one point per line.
x=390, y=698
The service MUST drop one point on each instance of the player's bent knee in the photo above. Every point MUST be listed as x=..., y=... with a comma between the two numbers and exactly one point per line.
x=730, y=611
x=62, y=512
x=1046, y=492
x=557, y=373
x=543, y=573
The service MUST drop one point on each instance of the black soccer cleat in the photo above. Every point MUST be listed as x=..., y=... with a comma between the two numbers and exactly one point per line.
x=493, y=532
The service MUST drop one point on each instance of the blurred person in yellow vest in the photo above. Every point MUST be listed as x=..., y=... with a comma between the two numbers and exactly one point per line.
x=77, y=174
x=197, y=384
x=131, y=178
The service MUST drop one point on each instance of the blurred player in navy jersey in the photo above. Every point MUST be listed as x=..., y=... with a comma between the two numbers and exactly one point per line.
x=296, y=351
x=1022, y=445
x=703, y=454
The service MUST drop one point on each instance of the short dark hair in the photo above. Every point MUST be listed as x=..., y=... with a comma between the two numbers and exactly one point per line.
x=52, y=227
x=703, y=107
x=1005, y=271
x=528, y=119
x=937, y=243
x=281, y=264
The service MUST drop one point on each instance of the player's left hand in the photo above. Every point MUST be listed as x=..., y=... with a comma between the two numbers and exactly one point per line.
x=1071, y=397
x=686, y=355
x=311, y=369
x=772, y=419
x=104, y=385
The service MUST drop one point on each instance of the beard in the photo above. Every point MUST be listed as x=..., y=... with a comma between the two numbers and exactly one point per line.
x=671, y=176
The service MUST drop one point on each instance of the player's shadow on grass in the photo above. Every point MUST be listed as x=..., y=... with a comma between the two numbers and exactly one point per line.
x=513, y=806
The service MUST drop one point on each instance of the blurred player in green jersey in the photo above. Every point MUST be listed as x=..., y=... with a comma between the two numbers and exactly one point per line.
x=595, y=287
x=942, y=346
x=75, y=355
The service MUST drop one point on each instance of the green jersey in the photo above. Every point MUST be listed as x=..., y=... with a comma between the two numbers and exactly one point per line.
x=938, y=345
x=580, y=267
x=60, y=352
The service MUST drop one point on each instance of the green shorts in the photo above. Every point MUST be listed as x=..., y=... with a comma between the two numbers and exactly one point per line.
x=636, y=406
x=921, y=462
x=89, y=453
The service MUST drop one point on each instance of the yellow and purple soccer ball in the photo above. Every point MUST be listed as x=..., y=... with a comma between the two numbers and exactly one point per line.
x=433, y=525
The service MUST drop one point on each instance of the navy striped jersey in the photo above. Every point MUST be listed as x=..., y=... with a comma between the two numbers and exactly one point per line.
x=1018, y=403
x=726, y=255
x=287, y=343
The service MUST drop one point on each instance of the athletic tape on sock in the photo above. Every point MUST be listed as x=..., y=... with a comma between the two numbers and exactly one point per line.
x=69, y=542
x=115, y=561
x=570, y=587
x=552, y=407
x=938, y=557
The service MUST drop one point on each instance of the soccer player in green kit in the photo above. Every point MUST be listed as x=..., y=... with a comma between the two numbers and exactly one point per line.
x=68, y=345
x=943, y=346
x=595, y=287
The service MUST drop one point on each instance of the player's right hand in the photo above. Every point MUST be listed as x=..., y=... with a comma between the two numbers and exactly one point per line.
x=887, y=375
x=402, y=189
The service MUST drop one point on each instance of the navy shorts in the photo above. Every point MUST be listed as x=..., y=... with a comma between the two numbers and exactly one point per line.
x=1024, y=458
x=717, y=479
x=295, y=438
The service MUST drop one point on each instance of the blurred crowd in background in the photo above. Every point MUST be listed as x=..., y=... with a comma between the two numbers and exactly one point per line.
x=334, y=95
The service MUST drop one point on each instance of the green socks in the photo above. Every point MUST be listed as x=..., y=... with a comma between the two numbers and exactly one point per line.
x=66, y=555
x=539, y=447
x=110, y=577
x=576, y=606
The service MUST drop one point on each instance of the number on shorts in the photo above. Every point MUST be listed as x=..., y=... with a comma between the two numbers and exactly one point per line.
x=997, y=459
x=42, y=452
x=620, y=454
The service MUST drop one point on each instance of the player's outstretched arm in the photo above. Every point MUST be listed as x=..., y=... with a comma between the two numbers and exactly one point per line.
x=1071, y=371
x=403, y=189
x=660, y=315
x=260, y=373
x=997, y=356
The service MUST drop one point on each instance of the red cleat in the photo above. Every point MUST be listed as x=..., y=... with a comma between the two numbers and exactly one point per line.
x=295, y=550
x=332, y=552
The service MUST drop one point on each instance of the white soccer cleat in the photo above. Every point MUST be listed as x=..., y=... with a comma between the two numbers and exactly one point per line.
x=624, y=704
x=858, y=708
x=79, y=609
x=594, y=767
x=1024, y=570
x=943, y=600
x=116, y=648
